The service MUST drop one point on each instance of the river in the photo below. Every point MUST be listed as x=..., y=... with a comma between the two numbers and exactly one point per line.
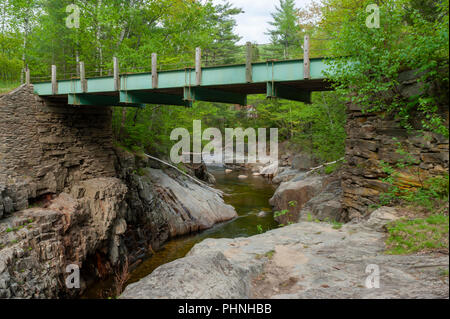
x=248, y=196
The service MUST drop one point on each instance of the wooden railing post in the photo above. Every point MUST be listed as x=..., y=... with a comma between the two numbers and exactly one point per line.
x=154, y=70
x=27, y=76
x=83, y=77
x=248, y=63
x=54, y=82
x=306, y=61
x=116, y=74
x=198, y=66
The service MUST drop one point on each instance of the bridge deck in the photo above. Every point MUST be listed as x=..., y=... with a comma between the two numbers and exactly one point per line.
x=227, y=84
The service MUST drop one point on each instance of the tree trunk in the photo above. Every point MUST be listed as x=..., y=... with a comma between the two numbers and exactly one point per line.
x=122, y=124
x=99, y=45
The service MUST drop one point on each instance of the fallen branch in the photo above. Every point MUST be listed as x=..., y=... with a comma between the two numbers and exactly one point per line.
x=323, y=165
x=174, y=167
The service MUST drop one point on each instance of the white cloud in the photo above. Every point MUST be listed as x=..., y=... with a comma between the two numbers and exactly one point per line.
x=254, y=22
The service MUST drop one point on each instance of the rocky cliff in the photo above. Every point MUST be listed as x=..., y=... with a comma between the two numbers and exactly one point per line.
x=37, y=244
x=68, y=197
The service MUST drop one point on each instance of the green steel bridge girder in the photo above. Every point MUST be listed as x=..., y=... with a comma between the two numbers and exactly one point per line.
x=190, y=95
x=214, y=95
x=278, y=90
x=98, y=100
x=142, y=97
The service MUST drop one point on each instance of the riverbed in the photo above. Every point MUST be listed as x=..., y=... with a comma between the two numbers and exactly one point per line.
x=248, y=196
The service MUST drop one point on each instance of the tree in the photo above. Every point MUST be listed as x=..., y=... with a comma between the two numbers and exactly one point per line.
x=368, y=61
x=223, y=49
x=24, y=15
x=285, y=36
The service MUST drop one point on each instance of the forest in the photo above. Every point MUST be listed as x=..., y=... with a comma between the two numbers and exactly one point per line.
x=36, y=34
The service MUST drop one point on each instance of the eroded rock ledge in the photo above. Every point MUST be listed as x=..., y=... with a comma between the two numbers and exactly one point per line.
x=37, y=244
x=304, y=260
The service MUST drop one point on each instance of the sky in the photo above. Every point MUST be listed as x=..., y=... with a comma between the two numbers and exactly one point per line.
x=254, y=22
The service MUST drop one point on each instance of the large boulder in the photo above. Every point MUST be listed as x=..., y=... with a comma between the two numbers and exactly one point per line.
x=271, y=170
x=286, y=174
x=381, y=217
x=187, y=205
x=326, y=205
x=303, y=260
x=293, y=195
x=170, y=204
x=193, y=277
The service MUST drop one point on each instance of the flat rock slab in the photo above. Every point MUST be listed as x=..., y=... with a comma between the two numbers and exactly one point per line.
x=304, y=260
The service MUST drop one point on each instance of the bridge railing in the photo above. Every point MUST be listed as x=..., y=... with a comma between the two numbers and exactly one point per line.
x=244, y=54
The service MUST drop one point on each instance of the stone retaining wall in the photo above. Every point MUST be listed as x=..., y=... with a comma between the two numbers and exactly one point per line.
x=46, y=147
x=374, y=137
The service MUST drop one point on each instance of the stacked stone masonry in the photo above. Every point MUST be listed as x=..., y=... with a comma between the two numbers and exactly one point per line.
x=46, y=147
x=375, y=137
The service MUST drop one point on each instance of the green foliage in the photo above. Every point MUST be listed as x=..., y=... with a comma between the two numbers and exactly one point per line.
x=139, y=171
x=9, y=70
x=318, y=128
x=330, y=169
x=367, y=61
x=27, y=224
x=410, y=236
x=432, y=191
x=260, y=229
x=268, y=254
x=223, y=50
x=5, y=87
x=443, y=272
x=129, y=30
x=336, y=225
x=285, y=35
x=280, y=213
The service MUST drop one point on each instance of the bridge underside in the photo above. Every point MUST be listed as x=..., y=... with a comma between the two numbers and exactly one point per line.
x=225, y=84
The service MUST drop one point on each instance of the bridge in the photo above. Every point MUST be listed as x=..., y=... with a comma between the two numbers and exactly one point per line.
x=287, y=79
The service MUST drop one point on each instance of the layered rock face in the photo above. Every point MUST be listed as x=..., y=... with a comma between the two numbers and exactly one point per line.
x=304, y=260
x=374, y=137
x=61, y=158
x=37, y=244
x=47, y=146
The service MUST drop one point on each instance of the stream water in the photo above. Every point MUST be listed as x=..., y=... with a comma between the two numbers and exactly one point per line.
x=248, y=196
